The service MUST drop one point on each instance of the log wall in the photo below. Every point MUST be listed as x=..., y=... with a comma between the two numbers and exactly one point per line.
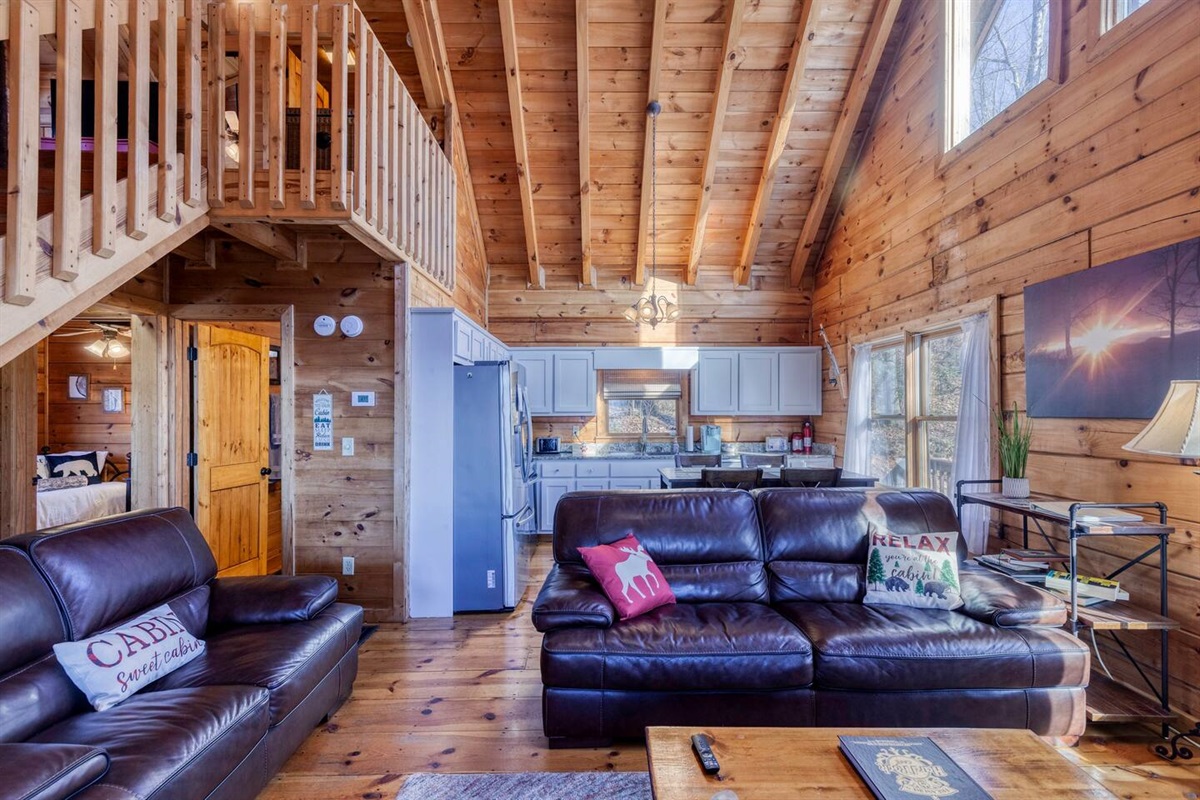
x=1103, y=167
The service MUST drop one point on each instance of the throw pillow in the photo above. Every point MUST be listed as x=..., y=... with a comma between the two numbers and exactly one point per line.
x=110, y=667
x=64, y=465
x=43, y=468
x=54, y=484
x=913, y=569
x=628, y=576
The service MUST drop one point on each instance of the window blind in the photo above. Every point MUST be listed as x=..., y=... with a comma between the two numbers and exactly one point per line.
x=642, y=384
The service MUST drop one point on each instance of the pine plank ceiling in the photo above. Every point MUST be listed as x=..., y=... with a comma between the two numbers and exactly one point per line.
x=764, y=102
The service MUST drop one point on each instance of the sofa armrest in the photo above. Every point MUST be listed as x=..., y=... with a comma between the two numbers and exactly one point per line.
x=1006, y=602
x=49, y=771
x=571, y=598
x=269, y=599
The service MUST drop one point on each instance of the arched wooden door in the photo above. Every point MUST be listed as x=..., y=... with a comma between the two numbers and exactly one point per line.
x=231, y=430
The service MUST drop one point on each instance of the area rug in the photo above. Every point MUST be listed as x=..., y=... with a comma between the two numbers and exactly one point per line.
x=527, y=786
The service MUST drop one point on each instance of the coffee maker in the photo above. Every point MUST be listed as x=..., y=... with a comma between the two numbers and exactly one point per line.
x=710, y=438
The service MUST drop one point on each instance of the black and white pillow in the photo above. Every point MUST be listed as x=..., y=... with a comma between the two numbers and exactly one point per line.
x=43, y=468
x=64, y=465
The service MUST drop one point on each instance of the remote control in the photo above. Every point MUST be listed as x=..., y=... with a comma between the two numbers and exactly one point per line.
x=704, y=752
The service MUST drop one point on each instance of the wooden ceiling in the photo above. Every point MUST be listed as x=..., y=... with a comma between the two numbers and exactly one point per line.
x=762, y=100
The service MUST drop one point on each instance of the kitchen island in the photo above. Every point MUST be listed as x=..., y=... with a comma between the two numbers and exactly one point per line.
x=689, y=478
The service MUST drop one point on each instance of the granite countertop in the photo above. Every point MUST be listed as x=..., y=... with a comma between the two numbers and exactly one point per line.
x=660, y=452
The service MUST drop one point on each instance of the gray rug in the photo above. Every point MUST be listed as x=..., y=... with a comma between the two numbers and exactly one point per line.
x=527, y=786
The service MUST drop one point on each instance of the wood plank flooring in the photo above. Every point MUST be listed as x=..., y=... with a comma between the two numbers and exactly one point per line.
x=464, y=695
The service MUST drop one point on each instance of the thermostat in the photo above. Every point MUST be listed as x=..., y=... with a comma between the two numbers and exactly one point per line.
x=324, y=325
x=362, y=398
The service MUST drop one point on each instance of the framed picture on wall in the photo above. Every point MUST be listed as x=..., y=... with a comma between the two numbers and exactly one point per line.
x=114, y=400
x=77, y=387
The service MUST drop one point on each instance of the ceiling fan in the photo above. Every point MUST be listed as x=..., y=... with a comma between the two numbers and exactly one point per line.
x=109, y=345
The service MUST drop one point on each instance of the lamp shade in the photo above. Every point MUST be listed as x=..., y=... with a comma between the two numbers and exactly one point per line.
x=1175, y=429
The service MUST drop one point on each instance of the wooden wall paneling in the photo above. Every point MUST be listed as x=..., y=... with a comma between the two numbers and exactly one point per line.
x=801, y=44
x=512, y=72
x=67, y=156
x=654, y=68
x=18, y=444
x=1089, y=174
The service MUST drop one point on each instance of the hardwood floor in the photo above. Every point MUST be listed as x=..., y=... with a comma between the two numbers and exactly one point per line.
x=464, y=695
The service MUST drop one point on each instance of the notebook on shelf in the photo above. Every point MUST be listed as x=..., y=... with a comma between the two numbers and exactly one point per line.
x=1062, y=508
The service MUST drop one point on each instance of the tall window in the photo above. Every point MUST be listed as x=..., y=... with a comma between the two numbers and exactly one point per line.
x=641, y=401
x=915, y=389
x=1120, y=9
x=998, y=50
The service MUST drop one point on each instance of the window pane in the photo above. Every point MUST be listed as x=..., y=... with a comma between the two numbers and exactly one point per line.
x=1010, y=53
x=943, y=375
x=887, y=381
x=1123, y=8
x=938, y=439
x=887, y=452
x=625, y=417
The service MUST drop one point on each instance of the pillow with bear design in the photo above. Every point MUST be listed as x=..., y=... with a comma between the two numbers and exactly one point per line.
x=111, y=667
x=915, y=569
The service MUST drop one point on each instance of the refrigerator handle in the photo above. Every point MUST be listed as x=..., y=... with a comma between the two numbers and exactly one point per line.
x=521, y=516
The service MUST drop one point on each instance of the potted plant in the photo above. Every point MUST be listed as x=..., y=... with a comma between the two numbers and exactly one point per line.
x=1012, y=442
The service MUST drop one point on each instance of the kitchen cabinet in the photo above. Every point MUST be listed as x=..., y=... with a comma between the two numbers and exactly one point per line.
x=591, y=475
x=559, y=382
x=591, y=485
x=539, y=367
x=779, y=381
x=550, y=491
x=462, y=341
x=715, y=382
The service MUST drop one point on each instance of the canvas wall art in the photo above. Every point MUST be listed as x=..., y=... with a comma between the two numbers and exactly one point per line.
x=1106, y=342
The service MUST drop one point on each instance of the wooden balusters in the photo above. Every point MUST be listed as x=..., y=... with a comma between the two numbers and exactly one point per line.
x=361, y=35
x=104, y=143
x=308, y=106
x=339, y=105
x=193, y=114
x=217, y=137
x=247, y=95
x=20, y=249
x=67, y=153
x=137, y=181
x=168, y=105
x=277, y=106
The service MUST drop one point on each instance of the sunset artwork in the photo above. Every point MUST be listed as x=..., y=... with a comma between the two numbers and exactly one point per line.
x=1106, y=341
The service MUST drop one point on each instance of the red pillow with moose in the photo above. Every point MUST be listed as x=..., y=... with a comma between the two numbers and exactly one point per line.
x=629, y=577
x=914, y=569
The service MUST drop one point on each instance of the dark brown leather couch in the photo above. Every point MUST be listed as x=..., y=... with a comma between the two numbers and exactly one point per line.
x=770, y=628
x=281, y=656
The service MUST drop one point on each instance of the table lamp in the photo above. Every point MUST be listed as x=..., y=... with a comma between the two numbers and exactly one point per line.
x=1174, y=432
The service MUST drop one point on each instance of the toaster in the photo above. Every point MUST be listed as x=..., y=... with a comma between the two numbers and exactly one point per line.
x=547, y=445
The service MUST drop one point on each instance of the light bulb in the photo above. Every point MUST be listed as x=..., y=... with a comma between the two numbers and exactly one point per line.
x=97, y=347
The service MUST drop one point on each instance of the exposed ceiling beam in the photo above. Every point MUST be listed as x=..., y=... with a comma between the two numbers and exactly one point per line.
x=274, y=240
x=657, y=43
x=779, y=133
x=583, y=91
x=433, y=79
x=839, y=145
x=733, y=30
x=512, y=73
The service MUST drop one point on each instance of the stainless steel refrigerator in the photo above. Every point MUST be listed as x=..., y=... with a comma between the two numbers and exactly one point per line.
x=493, y=476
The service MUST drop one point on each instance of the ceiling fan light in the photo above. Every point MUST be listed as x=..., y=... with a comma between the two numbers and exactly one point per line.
x=116, y=350
x=97, y=347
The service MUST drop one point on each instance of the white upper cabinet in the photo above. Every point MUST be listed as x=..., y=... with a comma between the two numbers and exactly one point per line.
x=715, y=382
x=462, y=341
x=574, y=383
x=539, y=367
x=800, y=381
x=758, y=381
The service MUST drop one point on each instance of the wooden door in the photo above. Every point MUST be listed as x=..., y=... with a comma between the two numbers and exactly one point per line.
x=231, y=430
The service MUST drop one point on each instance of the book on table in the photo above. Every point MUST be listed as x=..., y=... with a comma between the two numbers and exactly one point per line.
x=1022, y=571
x=1089, y=516
x=1086, y=586
x=1037, y=556
x=896, y=767
x=1083, y=600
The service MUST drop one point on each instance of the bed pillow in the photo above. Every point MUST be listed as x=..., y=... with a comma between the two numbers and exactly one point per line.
x=112, y=666
x=43, y=468
x=915, y=569
x=64, y=465
x=628, y=576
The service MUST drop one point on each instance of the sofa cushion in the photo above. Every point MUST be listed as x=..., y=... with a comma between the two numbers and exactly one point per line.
x=288, y=660
x=897, y=648
x=628, y=575
x=178, y=745
x=49, y=771
x=816, y=539
x=685, y=647
x=108, y=570
x=112, y=666
x=706, y=542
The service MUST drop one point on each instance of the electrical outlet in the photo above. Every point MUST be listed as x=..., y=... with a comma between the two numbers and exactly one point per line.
x=491, y=579
x=574, y=431
x=347, y=445
x=347, y=565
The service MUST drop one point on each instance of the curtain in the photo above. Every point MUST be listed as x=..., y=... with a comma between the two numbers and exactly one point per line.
x=973, y=443
x=858, y=414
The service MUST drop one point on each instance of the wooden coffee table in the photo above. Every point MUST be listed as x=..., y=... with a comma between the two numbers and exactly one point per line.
x=779, y=763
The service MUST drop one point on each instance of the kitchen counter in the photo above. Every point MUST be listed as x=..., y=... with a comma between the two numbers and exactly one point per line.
x=604, y=457
x=690, y=478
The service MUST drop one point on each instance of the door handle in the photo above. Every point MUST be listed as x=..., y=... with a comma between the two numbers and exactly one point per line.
x=265, y=471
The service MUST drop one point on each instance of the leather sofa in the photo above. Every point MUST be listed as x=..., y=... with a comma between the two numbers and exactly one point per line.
x=281, y=656
x=769, y=628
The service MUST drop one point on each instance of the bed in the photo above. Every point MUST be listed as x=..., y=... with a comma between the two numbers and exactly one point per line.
x=77, y=503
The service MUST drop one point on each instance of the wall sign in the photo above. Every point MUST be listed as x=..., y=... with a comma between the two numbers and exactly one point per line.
x=322, y=421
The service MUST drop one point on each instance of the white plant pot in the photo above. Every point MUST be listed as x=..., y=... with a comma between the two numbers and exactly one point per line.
x=1016, y=488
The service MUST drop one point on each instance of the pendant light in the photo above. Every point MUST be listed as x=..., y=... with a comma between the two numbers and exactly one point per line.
x=653, y=308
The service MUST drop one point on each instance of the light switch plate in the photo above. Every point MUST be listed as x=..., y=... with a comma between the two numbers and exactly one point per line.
x=347, y=445
x=362, y=398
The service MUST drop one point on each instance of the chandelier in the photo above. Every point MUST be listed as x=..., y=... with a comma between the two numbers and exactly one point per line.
x=653, y=308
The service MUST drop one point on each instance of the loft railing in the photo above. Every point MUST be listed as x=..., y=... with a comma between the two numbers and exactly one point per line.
x=82, y=212
x=311, y=125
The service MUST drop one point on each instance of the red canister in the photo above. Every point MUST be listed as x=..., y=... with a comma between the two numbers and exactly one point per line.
x=797, y=442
